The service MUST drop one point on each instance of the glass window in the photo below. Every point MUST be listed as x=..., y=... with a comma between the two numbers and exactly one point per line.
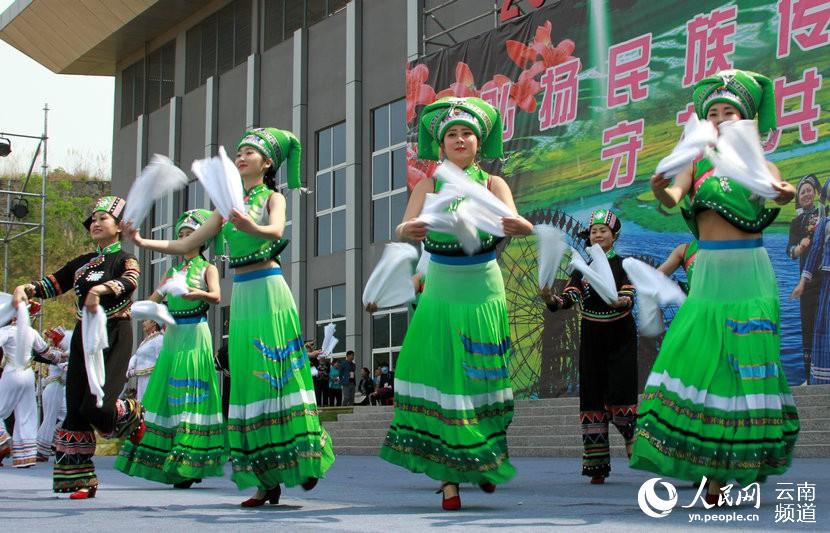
x=389, y=191
x=388, y=331
x=330, y=190
x=331, y=309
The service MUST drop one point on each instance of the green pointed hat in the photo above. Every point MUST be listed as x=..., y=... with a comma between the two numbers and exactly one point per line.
x=192, y=219
x=478, y=115
x=278, y=146
x=751, y=93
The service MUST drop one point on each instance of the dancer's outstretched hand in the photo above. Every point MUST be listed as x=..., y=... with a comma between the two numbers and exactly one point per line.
x=786, y=192
x=20, y=295
x=516, y=226
x=131, y=233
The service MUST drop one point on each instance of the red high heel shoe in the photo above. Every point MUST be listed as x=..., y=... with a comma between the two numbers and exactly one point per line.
x=453, y=503
x=597, y=480
x=84, y=494
x=138, y=434
x=310, y=483
x=272, y=496
x=489, y=488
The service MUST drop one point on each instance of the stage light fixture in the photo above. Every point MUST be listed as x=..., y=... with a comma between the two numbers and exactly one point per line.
x=5, y=146
x=20, y=208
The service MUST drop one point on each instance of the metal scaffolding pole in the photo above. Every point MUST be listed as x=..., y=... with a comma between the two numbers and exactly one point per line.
x=11, y=220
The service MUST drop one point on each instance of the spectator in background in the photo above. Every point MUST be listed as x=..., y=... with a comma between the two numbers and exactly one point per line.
x=385, y=388
x=335, y=387
x=314, y=361
x=348, y=372
x=366, y=386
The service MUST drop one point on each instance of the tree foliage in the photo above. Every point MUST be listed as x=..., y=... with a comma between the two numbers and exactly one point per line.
x=68, y=202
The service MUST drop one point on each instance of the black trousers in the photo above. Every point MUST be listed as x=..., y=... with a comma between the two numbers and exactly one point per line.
x=607, y=388
x=81, y=412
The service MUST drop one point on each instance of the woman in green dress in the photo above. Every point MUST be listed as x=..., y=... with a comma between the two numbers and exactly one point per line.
x=274, y=432
x=453, y=400
x=185, y=439
x=717, y=403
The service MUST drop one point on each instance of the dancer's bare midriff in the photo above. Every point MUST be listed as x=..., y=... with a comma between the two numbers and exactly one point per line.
x=713, y=227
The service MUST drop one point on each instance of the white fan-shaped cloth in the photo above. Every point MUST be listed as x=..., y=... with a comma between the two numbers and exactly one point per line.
x=455, y=224
x=451, y=174
x=329, y=340
x=459, y=223
x=649, y=317
x=653, y=290
x=95, y=341
x=551, y=248
x=66, y=343
x=7, y=310
x=222, y=182
x=739, y=156
x=390, y=283
x=697, y=135
x=24, y=337
x=175, y=285
x=652, y=283
x=598, y=273
x=159, y=177
x=150, y=310
x=423, y=262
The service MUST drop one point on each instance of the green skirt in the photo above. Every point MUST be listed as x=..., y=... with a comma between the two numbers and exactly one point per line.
x=717, y=403
x=185, y=437
x=274, y=431
x=453, y=401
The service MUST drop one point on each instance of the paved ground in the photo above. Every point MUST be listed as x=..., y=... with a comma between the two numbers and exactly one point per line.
x=368, y=494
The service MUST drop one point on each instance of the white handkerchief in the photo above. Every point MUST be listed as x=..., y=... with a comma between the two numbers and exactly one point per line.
x=596, y=274
x=329, y=340
x=451, y=174
x=551, y=247
x=159, y=177
x=175, y=285
x=423, y=262
x=222, y=182
x=95, y=341
x=648, y=281
x=653, y=290
x=150, y=310
x=697, y=135
x=25, y=337
x=390, y=283
x=739, y=157
x=649, y=317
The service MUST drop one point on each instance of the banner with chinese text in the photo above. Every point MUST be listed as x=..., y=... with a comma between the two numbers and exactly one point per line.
x=593, y=94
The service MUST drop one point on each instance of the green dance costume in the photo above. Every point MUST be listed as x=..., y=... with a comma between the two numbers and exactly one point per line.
x=717, y=403
x=273, y=428
x=453, y=399
x=185, y=436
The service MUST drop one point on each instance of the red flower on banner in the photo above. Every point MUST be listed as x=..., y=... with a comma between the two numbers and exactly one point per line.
x=497, y=81
x=417, y=91
x=519, y=53
x=542, y=45
x=464, y=83
x=524, y=91
x=417, y=169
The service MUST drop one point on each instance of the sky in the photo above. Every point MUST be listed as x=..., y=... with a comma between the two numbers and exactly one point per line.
x=80, y=114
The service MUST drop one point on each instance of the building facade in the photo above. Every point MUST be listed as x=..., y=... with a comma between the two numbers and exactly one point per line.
x=192, y=76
